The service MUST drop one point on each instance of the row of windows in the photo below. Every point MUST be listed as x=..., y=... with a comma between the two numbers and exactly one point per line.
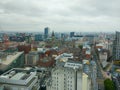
x=56, y=73
x=68, y=88
x=65, y=74
x=68, y=77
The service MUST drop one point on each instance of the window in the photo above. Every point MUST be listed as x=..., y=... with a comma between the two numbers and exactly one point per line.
x=64, y=82
x=7, y=88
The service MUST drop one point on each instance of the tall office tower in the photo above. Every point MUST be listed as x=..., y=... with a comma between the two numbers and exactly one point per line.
x=116, y=46
x=1, y=37
x=46, y=32
x=90, y=38
x=72, y=34
x=38, y=37
x=62, y=35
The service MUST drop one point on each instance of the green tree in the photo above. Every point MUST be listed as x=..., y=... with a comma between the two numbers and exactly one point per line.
x=80, y=46
x=109, y=85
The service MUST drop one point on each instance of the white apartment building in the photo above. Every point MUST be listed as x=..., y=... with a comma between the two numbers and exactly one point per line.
x=19, y=79
x=68, y=77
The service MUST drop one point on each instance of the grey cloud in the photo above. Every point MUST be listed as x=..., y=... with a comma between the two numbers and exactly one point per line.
x=60, y=14
x=97, y=8
x=23, y=7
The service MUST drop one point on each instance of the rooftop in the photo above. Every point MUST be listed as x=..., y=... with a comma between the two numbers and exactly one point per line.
x=9, y=59
x=73, y=65
x=17, y=76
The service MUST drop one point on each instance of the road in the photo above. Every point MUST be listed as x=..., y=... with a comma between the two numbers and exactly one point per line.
x=94, y=78
x=100, y=72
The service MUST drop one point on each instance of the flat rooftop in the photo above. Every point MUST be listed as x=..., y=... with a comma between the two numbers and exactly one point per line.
x=17, y=76
x=73, y=65
x=9, y=59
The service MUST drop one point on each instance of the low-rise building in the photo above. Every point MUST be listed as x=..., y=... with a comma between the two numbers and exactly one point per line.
x=86, y=50
x=32, y=58
x=103, y=56
x=11, y=60
x=19, y=79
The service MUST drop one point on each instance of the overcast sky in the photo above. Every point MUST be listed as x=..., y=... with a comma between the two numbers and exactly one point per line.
x=60, y=15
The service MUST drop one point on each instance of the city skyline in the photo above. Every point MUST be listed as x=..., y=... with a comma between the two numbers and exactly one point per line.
x=60, y=15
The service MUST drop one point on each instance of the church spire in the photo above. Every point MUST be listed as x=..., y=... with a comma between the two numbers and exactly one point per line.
x=53, y=34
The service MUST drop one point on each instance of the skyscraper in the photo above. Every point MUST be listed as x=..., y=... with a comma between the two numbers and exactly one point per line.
x=72, y=34
x=46, y=32
x=116, y=46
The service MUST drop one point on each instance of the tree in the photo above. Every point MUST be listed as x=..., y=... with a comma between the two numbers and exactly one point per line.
x=80, y=46
x=109, y=85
